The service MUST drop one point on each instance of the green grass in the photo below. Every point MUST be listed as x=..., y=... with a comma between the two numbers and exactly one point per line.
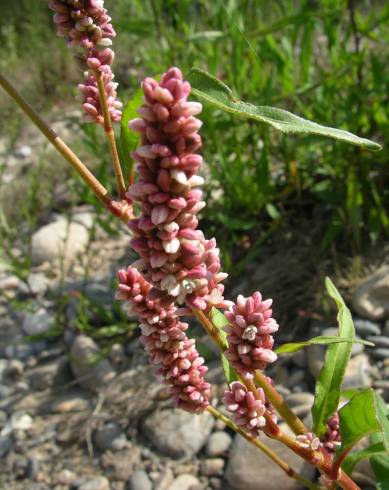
x=322, y=60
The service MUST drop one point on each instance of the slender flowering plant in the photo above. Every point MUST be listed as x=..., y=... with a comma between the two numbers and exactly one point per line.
x=179, y=273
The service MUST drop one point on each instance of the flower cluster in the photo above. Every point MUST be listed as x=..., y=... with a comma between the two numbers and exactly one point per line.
x=164, y=338
x=248, y=411
x=331, y=439
x=86, y=24
x=83, y=22
x=249, y=334
x=176, y=257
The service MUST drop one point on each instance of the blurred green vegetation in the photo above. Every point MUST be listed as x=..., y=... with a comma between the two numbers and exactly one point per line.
x=325, y=60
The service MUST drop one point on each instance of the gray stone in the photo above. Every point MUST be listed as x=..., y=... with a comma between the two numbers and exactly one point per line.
x=58, y=241
x=106, y=436
x=90, y=373
x=139, y=481
x=379, y=341
x=294, y=378
x=3, y=418
x=212, y=466
x=366, y=327
x=99, y=483
x=20, y=351
x=55, y=373
x=357, y=373
x=298, y=399
x=66, y=477
x=5, y=391
x=177, y=433
x=164, y=481
x=218, y=443
x=380, y=353
x=184, y=482
x=250, y=469
x=5, y=445
x=37, y=323
x=14, y=369
x=371, y=298
x=38, y=283
x=24, y=151
x=315, y=359
x=386, y=328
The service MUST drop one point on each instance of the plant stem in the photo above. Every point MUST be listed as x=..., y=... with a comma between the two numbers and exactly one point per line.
x=320, y=459
x=110, y=135
x=120, y=210
x=278, y=402
x=211, y=330
x=263, y=447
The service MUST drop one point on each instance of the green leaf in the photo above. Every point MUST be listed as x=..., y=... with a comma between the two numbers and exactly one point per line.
x=321, y=340
x=380, y=464
x=220, y=321
x=357, y=456
x=129, y=140
x=363, y=415
x=209, y=89
x=327, y=390
x=229, y=371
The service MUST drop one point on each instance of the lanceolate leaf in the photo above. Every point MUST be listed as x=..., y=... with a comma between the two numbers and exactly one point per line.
x=229, y=371
x=354, y=458
x=220, y=321
x=209, y=89
x=363, y=415
x=322, y=340
x=129, y=140
x=327, y=391
x=380, y=465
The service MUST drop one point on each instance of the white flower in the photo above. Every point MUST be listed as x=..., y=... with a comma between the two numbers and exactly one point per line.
x=250, y=332
x=171, y=246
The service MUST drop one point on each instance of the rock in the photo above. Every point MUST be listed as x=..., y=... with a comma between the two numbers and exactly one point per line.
x=90, y=374
x=66, y=477
x=3, y=418
x=85, y=219
x=184, y=482
x=218, y=443
x=58, y=240
x=18, y=350
x=315, y=359
x=24, y=151
x=120, y=465
x=371, y=298
x=5, y=391
x=14, y=369
x=71, y=402
x=37, y=323
x=109, y=437
x=386, y=328
x=139, y=481
x=250, y=469
x=380, y=353
x=379, y=341
x=298, y=399
x=33, y=468
x=38, y=283
x=357, y=373
x=20, y=421
x=164, y=481
x=55, y=373
x=99, y=483
x=10, y=283
x=176, y=433
x=5, y=445
x=294, y=378
x=212, y=466
x=365, y=327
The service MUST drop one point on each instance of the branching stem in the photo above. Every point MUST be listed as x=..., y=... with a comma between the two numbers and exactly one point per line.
x=118, y=209
x=263, y=447
x=110, y=135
